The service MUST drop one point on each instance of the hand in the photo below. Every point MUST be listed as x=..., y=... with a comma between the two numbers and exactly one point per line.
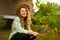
x=30, y=32
x=35, y=33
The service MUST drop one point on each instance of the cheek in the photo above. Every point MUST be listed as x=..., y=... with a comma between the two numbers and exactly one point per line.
x=23, y=14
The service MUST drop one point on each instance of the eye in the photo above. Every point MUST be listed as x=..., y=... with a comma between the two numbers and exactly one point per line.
x=22, y=11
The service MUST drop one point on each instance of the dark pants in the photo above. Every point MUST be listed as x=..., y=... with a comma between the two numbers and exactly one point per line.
x=22, y=36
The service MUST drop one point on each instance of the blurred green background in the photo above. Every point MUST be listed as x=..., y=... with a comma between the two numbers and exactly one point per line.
x=46, y=21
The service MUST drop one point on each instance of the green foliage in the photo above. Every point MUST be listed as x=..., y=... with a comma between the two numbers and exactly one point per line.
x=58, y=22
x=46, y=15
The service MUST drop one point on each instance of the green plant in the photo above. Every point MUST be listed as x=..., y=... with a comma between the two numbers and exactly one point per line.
x=46, y=14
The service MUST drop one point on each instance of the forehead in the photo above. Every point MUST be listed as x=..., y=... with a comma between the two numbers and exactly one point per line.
x=23, y=9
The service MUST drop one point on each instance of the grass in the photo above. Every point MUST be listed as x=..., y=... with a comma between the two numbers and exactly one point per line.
x=49, y=35
x=4, y=34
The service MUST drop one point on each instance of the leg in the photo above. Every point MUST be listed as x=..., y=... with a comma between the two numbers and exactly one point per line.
x=30, y=37
x=19, y=36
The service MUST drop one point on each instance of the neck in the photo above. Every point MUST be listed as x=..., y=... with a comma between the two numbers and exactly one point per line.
x=23, y=22
x=22, y=18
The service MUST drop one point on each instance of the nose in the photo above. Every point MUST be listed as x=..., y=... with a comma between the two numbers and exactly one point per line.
x=25, y=12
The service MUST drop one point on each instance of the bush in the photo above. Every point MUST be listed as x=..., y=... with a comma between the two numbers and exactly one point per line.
x=46, y=18
x=47, y=14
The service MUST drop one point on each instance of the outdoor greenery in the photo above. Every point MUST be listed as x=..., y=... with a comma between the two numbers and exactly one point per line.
x=47, y=14
x=46, y=21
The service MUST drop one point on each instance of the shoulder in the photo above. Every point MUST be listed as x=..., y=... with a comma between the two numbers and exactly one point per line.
x=16, y=18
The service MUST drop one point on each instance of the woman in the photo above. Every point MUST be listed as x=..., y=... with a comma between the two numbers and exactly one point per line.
x=21, y=25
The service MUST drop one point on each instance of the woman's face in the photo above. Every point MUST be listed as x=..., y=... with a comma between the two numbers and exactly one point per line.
x=23, y=12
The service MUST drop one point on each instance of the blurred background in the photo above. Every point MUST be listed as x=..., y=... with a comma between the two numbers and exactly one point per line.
x=45, y=17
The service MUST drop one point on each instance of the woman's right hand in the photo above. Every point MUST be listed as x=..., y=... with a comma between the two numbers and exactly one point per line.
x=33, y=33
x=30, y=32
